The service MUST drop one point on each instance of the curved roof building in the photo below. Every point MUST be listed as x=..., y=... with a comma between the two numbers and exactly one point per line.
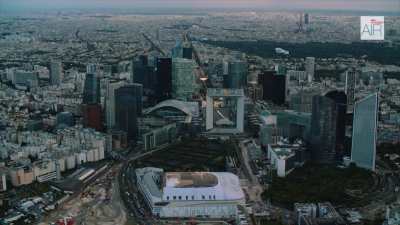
x=166, y=108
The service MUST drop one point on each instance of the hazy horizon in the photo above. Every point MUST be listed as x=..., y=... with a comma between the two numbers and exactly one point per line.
x=392, y=6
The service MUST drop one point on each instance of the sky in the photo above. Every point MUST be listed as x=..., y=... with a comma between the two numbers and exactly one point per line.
x=355, y=5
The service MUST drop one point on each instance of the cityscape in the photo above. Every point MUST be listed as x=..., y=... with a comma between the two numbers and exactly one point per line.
x=225, y=112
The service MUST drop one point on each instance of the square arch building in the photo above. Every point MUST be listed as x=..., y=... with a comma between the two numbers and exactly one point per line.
x=225, y=110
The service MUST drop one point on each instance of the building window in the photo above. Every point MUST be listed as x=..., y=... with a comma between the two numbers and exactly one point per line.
x=167, y=197
x=192, y=197
x=209, y=197
x=214, y=197
x=203, y=197
x=187, y=197
x=180, y=197
x=174, y=197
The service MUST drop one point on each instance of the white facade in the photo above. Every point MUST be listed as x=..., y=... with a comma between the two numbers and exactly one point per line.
x=61, y=163
x=297, y=74
x=278, y=158
x=70, y=162
x=56, y=153
x=44, y=170
x=3, y=183
x=21, y=176
x=159, y=136
x=90, y=155
x=187, y=194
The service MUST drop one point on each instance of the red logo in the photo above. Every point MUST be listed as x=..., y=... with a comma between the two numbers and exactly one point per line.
x=376, y=22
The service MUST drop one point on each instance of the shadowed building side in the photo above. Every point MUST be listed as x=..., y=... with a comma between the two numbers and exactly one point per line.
x=128, y=106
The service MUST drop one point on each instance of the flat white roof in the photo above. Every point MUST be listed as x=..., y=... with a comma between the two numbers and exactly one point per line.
x=190, y=180
x=197, y=186
x=221, y=185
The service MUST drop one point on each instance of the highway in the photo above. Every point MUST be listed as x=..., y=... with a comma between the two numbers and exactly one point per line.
x=153, y=45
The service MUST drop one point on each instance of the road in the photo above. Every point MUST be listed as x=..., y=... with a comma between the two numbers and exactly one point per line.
x=255, y=189
x=385, y=192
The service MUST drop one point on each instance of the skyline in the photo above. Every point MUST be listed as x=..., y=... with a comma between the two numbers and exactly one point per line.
x=354, y=5
x=189, y=112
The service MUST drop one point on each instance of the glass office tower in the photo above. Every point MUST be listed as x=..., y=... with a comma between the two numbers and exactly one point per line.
x=365, y=123
x=237, y=75
x=323, y=130
x=91, y=92
x=128, y=107
x=183, y=79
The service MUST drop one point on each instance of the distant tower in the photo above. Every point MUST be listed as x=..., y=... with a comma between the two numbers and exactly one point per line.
x=164, y=79
x=225, y=68
x=310, y=68
x=365, y=124
x=91, y=108
x=56, y=74
x=350, y=86
x=91, y=92
x=300, y=24
x=158, y=34
x=274, y=87
x=306, y=19
x=177, y=50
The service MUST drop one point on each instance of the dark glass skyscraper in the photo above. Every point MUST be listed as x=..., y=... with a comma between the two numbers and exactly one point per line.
x=274, y=87
x=187, y=52
x=323, y=129
x=164, y=78
x=92, y=116
x=91, y=108
x=176, y=51
x=128, y=106
x=237, y=75
x=306, y=18
x=350, y=86
x=91, y=92
x=143, y=73
x=340, y=100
